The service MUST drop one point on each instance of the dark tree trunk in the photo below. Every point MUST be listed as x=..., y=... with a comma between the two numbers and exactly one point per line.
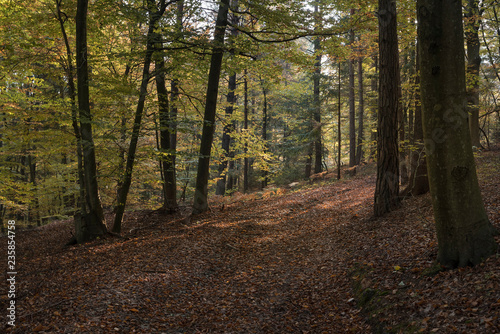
x=472, y=17
x=352, y=111
x=74, y=114
x=339, y=128
x=225, y=175
x=464, y=233
x=155, y=15
x=245, y=127
x=361, y=112
x=90, y=224
x=166, y=160
x=200, y=203
x=387, y=186
x=264, y=135
x=374, y=103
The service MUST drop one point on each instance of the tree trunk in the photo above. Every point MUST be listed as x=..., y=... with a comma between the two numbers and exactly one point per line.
x=318, y=147
x=155, y=16
x=200, y=203
x=464, y=233
x=387, y=186
x=264, y=135
x=91, y=223
x=166, y=160
x=74, y=113
x=352, y=105
x=339, y=119
x=361, y=112
x=418, y=181
x=245, y=127
x=374, y=103
x=229, y=126
x=473, y=65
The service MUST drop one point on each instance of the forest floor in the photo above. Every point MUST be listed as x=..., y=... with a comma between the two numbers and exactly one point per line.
x=311, y=260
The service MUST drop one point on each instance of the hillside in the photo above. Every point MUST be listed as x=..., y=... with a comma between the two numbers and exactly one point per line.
x=311, y=260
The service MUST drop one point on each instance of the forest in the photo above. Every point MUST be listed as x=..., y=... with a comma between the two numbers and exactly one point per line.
x=237, y=166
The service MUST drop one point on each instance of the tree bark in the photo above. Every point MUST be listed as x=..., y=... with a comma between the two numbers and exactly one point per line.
x=339, y=119
x=361, y=112
x=264, y=135
x=387, y=185
x=245, y=127
x=74, y=113
x=166, y=160
x=229, y=126
x=200, y=203
x=90, y=224
x=352, y=105
x=318, y=147
x=464, y=233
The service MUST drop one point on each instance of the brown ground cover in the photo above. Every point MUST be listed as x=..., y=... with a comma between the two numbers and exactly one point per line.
x=311, y=260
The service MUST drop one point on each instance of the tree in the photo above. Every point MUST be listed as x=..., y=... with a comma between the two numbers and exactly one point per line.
x=200, y=202
x=90, y=224
x=155, y=13
x=318, y=147
x=418, y=183
x=352, y=105
x=361, y=112
x=229, y=126
x=464, y=233
x=387, y=186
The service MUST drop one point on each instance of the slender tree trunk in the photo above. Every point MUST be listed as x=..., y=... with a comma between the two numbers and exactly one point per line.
x=74, y=116
x=318, y=147
x=387, y=185
x=374, y=109
x=264, y=135
x=352, y=105
x=361, y=112
x=166, y=161
x=472, y=17
x=200, y=203
x=91, y=224
x=464, y=233
x=404, y=171
x=245, y=127
x=229, y=126
x=339, y=128
x=418, y=181
x=155, y=16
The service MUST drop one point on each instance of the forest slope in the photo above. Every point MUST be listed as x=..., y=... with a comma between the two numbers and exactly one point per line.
x=308, y=261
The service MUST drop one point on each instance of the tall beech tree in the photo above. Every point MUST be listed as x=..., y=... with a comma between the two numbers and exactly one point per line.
x=200, y=202
x=464, y=233
x=387, y=186
x=318, y=147
x=352, y=102
x=156, y=11
x=229, y=126
x=90, y=224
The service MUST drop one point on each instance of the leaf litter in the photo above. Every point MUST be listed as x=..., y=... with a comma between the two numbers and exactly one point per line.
x=311, y=260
